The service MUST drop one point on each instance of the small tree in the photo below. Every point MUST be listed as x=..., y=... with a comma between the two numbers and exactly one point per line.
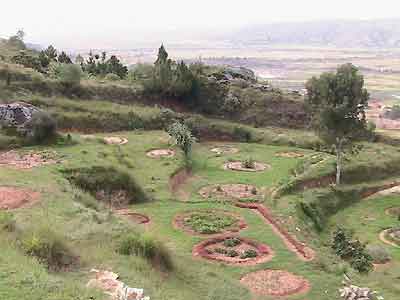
x=183, y=138
x=63, y=58
x=69, y=75
x=337, y=102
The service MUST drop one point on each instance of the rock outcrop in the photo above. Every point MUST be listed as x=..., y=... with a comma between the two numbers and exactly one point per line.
x=116, y=289
x=16, y=114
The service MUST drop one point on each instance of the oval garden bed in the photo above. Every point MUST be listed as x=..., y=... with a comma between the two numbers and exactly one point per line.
x=289, y=154
x=391, y=236
x=275, y=283
x=115, y=140
x=209, y=222
x=233, y=250
x=393, y=211
x=239, y=192
x=156, y=153
x=246, y=166
x=225, y=149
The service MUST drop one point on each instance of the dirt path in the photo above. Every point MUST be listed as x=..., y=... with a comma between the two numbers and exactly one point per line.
x=302, y=251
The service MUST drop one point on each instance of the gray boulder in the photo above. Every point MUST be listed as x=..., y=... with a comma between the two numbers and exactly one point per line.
x=16, y=114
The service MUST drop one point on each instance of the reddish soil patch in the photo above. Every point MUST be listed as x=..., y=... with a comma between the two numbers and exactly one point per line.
x=238, y=166
x=275, y=283
x=12, y=197
x=224, y=150
x=156, y=153
x=315, y=182
x=289, y=154
x=179, y=223
x=132, y=216
x=303, y=252
x=115, y=140
x=231, y=191
x=24, y=161
x=207, y=250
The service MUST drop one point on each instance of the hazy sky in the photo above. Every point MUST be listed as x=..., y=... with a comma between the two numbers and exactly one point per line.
x=96, y=24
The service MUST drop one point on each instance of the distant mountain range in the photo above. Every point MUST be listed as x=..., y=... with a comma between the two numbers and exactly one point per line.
x=362, y=34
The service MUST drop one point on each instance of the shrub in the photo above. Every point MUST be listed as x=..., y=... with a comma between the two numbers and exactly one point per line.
x=221, y=251
x=378, y=253
x=7, y=221
x=249, y=253
x=183, y=137
x=352, y=250
x=48, y=247
x=69, y=75
x=209, y=222
x=112, y=77
x=40, y=128
x=232, y=253
x=146, y=246
x=232, y=242
x=249, y=163
x=107, y=180
x=242, y=134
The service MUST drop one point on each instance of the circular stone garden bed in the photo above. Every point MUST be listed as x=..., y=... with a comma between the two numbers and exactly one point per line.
x=115, y=140
x=275, y=283
x=240, y=192
x=156, y=153
x=391, y=236
x=27, y=160
x=246, y=166
x=209, y=222
x=393, y=211
x=12, y=197
x=233, y=250
x=225, y=149
x=289, y=154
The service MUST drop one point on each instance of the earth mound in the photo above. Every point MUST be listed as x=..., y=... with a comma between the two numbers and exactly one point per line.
x=275, y=283
x=12, y=197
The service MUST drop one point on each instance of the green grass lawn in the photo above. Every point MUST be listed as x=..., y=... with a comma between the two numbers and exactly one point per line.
x=94, y=235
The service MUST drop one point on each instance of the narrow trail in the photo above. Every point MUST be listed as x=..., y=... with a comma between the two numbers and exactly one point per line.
x=302, y=251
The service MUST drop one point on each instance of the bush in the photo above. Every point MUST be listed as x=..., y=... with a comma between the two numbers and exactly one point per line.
x=249, y=163
x=249, y=253
x=209, y=222
x=112, y=77
x=145, y=246
x=69, y=75
x=40, y=128
x=232, y=253
x=7, y=221
x=106, y=179
x=232, y=242
x=48, y=247
x=242, y=134
x=378, y=253
x=352, y=250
